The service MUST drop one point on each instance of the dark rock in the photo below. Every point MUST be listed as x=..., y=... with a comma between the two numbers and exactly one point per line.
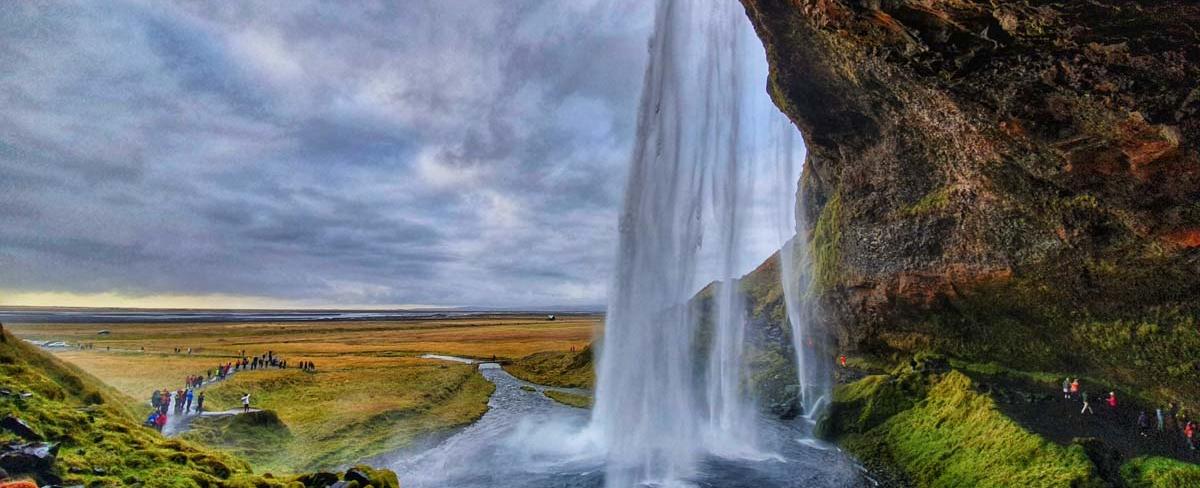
x=20, y=428
x=33, y=458
x=344, y=484
x=318, y=479
x=355, y=474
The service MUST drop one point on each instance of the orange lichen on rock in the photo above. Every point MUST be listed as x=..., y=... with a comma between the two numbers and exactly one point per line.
x=1184, y=237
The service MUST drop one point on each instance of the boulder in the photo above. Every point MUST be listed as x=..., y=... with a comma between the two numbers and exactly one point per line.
x=317, y=480
x=35, y=457
x=21, y=429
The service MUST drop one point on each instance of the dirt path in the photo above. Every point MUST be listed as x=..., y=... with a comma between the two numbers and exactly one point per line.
x=1043, y=410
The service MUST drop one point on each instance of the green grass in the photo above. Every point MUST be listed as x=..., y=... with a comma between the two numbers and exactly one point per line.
x=954, y=436
x=556, y=368
x=1157, y=472
x=931, y=202
x=569, y=399
x=257, y=436
x=335, y=419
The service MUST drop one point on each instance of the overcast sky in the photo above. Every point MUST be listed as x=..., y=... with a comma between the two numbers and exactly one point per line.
x=299, y=153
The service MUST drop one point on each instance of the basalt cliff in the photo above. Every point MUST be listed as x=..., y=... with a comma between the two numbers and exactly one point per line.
x=1015, y=182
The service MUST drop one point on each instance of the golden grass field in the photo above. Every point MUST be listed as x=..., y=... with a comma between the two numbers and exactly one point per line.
x=370, y=392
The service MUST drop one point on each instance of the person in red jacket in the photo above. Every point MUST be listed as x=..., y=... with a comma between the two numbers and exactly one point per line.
x=161, y=422
x=1112, y=399
x=1189, y=430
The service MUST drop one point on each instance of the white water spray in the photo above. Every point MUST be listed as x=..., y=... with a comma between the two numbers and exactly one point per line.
x=671, y=391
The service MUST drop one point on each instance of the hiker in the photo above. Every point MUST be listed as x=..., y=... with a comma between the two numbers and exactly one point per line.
x=843, y=360
x=1112, y=400
x=245, y=402
x=152, y=420
x=1143, y=423
x=187, y=402
x=160, y=422
x=1159, y=413
x=1086, y=408
x=200, y=404
x=1188, y=431
x=1067, y=388
x=155, y=399
x=1075, y=387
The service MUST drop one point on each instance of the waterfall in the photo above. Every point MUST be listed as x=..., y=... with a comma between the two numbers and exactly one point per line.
x=672, y=377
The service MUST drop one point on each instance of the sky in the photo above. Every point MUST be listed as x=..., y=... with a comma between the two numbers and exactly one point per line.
x=302, y=154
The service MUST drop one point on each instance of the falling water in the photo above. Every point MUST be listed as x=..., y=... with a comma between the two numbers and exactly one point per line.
x=672, y=390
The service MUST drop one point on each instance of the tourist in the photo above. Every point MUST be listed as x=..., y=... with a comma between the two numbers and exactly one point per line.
x=1188, y=431
x=187, y=402
x=152, y=420
x=245, y=402
x=155, y=399
x=1112, y=400
x=1086, y=408
x=1158, y=412
x=1075, y=387
x=1067, y=388
x=200, y=404
x=1143, y=423
x=161, y=421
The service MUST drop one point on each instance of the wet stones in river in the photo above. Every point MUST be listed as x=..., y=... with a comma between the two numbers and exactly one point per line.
x=19, y=428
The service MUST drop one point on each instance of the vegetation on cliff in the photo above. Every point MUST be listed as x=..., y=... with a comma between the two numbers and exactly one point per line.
x=565, y=369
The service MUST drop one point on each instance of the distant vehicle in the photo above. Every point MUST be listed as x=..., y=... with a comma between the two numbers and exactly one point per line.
x=56, y=344
x=104, y=332
x=550, y=317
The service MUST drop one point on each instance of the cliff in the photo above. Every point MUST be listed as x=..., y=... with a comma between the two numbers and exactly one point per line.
x=1007, y=181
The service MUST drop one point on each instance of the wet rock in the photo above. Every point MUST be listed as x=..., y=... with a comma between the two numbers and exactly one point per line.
x=354, y=474
x=318, y=479
x=18, y=427
x=36, y=457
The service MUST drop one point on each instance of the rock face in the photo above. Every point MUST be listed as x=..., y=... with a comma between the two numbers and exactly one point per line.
x=1010, y=181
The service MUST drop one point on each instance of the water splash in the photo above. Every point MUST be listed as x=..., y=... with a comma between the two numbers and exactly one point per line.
x=672, y=390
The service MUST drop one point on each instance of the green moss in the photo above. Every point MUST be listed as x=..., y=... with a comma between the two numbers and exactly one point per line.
x=954, y=436
x=1157, y=472
x=825, y=246
x=578, y=401
x=932, y=202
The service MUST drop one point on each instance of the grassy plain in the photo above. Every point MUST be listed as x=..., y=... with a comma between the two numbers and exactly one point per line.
x=371, y=393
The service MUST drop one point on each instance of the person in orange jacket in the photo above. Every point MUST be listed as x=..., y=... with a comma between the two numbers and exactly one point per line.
x=1112, y=399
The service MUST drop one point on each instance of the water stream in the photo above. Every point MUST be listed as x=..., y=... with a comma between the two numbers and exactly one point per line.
x=527, y=440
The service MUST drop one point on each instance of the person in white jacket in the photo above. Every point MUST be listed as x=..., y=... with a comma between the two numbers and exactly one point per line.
x=245, y=402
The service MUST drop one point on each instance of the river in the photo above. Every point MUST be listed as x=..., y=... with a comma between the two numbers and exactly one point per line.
x=527, y=440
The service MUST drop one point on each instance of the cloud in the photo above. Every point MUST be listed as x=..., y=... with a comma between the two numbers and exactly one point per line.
x=445, y=153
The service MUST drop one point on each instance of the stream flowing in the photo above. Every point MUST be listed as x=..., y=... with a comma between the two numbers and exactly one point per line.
x=528, y=440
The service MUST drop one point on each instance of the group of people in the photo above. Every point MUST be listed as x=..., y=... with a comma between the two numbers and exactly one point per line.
x=1165, y=421
x=178, y=402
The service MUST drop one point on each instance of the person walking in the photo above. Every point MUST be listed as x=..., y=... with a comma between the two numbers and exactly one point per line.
x=1086, y=408
x=1161, y=424
x=1112, y=400
x=245, y=402
x=1067, y=388
x=1189, y=430
x=187, y=401
x=200, y=404
x=1143, y=423
x=160, y=422
x=1074, y=387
